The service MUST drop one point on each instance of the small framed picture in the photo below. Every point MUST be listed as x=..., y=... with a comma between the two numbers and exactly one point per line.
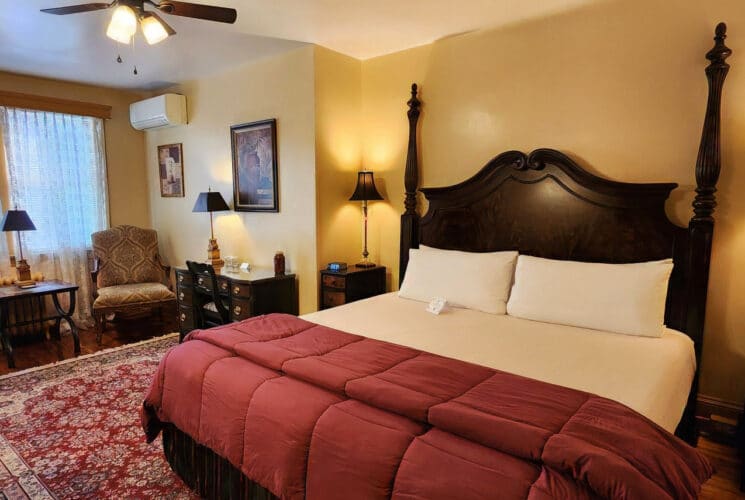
x=171, y=166
x=254, y=147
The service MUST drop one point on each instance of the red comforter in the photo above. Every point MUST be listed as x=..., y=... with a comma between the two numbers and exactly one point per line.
x=308, y=411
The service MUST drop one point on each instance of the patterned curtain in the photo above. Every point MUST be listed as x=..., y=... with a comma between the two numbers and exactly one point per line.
x=56, y=168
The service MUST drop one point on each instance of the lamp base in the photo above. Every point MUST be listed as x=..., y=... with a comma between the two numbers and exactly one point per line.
x=23, y=270
x=213, y=255
x=365, y=264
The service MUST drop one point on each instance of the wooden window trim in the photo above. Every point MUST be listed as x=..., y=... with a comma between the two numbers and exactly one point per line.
x=53, y=104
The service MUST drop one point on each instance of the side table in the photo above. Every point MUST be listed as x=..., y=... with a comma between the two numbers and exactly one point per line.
x=9, y=294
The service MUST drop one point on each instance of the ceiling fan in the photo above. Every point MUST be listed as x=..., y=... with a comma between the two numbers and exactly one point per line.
x=128, y=13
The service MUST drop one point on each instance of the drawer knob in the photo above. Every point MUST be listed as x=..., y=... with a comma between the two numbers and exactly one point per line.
x=180, y=278
x=237, y=310
x=201, y=281
x=181, y=296
x=224, y=285
x=237, y=290
x=183, y=317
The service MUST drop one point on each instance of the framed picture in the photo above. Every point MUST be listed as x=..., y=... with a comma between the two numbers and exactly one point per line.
x=255, y=166
x=171, y=166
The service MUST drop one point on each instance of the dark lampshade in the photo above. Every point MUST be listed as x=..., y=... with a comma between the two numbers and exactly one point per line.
x=211, y=201
x=17, y=220
x=365, y=189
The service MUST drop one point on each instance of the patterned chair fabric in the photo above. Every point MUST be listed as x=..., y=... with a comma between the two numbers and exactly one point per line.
x=132, y=293
x=128, y=254
x=128, y=274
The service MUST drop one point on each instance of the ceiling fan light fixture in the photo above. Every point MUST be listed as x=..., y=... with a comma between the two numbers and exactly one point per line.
x=123, y=24
x=153, y=30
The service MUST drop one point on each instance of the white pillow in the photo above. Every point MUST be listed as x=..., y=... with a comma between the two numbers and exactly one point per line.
x=621, y=298
x=470, y=280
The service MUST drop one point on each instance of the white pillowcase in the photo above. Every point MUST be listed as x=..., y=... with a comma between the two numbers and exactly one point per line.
x=470, y=280
x=621, y=298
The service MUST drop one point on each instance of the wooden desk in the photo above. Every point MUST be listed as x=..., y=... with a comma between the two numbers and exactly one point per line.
x=257, y=292
x=9, y=294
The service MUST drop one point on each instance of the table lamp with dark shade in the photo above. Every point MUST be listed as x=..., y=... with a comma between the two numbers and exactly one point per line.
x=364, y=192
x=18, y=220
x=212, y=201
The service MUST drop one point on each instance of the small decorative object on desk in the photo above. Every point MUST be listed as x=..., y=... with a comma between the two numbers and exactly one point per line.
x=279, y=263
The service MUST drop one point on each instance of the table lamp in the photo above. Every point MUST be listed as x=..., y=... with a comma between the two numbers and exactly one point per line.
x=212, y=201
x=364, y=192
x=18, y=220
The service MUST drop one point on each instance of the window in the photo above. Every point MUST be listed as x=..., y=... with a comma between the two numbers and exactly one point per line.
x=56, y=168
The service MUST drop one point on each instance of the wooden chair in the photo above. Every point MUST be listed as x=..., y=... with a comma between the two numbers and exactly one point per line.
x=128, y=275
x=211, y=311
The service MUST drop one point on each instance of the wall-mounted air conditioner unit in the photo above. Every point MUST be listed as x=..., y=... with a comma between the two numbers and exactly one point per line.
x=167, y=110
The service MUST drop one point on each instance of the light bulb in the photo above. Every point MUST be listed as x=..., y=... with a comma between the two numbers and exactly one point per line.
x=153, y=30
x=123, y=24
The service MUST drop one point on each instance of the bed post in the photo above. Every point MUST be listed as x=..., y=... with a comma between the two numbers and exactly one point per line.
x=410, y=217
x=701, y=226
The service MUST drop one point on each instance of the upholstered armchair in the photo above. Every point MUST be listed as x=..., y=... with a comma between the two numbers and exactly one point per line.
x=128, y=275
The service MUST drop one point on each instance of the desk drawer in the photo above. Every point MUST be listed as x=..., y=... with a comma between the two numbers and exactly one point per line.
x=185, y=295
x=204, y=281
x=186, y=318
x=338, y=282
x=223, y=285
x=333, y=299
x=241, y=290
x=240, y=309
x=183, y=278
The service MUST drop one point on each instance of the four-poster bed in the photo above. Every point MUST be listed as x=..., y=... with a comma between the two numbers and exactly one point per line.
x=540, y=204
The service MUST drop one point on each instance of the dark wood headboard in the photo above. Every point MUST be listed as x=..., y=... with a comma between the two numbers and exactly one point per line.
x=546, y=205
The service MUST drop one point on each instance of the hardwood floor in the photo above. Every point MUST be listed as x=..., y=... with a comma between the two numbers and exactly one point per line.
x=723, y=486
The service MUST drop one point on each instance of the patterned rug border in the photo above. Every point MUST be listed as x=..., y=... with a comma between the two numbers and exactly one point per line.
x=86, y=356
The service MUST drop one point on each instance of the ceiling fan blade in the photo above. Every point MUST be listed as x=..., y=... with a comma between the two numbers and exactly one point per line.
x=167, y=27
x=198, y=11
x=74, y=9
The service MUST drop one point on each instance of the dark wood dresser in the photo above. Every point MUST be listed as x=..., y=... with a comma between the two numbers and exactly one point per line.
x=355, y=283
x=246, y=294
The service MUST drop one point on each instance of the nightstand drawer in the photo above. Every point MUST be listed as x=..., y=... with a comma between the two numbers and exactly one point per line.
x=333, y=299
x=240, y=290
x=240, y=309
x=330, y=281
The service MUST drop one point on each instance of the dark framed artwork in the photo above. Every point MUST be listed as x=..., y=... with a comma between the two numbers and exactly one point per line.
x=254, y=147
x=171, y=167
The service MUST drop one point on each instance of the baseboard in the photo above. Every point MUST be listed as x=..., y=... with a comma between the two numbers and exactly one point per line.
x=718, y=418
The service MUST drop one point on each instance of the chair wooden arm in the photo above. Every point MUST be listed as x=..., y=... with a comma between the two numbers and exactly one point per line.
x=94, y=276
x=166, y=270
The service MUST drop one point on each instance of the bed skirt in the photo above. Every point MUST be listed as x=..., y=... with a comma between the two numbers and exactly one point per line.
x=207, y=473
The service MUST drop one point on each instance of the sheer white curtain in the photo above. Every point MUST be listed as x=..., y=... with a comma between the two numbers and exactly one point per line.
x=56, y=167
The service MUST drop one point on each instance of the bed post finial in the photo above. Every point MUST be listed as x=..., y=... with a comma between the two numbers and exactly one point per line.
x=708, y=163
x=410, y=217
x=701, y=226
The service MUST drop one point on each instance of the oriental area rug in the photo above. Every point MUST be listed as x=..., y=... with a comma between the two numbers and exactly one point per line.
x=72, y=429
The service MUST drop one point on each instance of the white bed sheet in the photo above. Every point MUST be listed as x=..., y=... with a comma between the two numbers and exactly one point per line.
x=651, y=375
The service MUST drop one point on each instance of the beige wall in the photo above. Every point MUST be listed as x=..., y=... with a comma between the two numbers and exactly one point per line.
x=283, y=88
x=338, y=100
x=125, y=147
x=618, y=85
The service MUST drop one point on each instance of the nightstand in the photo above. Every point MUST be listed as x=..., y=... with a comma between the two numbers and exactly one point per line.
x=246, y=294
x=354, y=283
